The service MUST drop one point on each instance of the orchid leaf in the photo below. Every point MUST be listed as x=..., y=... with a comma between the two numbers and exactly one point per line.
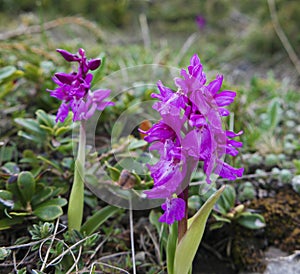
x=171, y=247
x=95, y=221
x=187, y=247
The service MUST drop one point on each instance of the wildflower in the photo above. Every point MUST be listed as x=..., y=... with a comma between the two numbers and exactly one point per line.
x=174, y=210
x=200, y=21
x=74, y=88
x=190, y=130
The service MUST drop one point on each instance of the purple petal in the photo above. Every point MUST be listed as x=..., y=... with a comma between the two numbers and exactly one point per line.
x=65, y=78
x=215, y=85
x=192, y=143
x=62, y=113
x=200, y=21
x=94, y=64
x=231, y=134
x=174, y=210
x=159, y=132
x=225, y=98
x=67, y=55
x=230, y=172
x=159, y=192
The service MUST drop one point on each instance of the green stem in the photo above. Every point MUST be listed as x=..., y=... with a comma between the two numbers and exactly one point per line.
x=76, y=199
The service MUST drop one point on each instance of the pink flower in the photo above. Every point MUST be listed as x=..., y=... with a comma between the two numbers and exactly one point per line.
x=74, y=89
x=190, y=130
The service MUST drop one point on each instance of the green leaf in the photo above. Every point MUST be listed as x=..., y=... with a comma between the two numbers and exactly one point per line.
x=29, y=124
x=96, y=220
x=44, y=118
x=36, y=139
x=62, y=130
x=48, y=213
x=162, y=230
x=99, y=73
x=7, y=153
x=171, y=247
x=51, y=163
x=22, y=270
x=187, y=247
x=227, y=200
x=41, y=196
x=216, y=225
x=251, y=220
x=54, y=202
x=114, y=173
x=274, y=113
x=12, y=186
x=7, y=72
x=4, y=253
x=137, y=144
x=49, y=130
x=6, y=223
x=26, y=184
x=6, y=199
x=221, y=219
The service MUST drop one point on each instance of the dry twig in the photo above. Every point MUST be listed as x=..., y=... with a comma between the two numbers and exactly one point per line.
x=284, y=40
x=28, y=30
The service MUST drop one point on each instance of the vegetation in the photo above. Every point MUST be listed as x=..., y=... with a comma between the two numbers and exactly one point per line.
x=37, y=154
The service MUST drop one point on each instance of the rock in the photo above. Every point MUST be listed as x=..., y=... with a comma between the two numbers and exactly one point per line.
x=278, y=262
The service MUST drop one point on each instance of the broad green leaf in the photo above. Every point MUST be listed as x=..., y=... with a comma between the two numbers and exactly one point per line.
x=12, y=186
x=187, y=247
x=4, y=252
x=36, y=139
x=11, y=168
x=29, y=124
x=48, y=213
x=44, y=118
x=171, y=247
x=216, y=225
x=27, y=185
x=6, y=199
x=6, y=223
x=61, y=130
x=48, y=129
x=7, y=72
x=41, y=195
x=137, y=144
x=221, y=219
x=54, y=202
x=7, y=153
x=227, y=200
x=96, y=220
x=251, y=220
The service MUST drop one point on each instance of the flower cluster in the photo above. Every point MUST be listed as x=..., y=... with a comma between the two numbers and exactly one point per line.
x=74, y=88
x=190, y=130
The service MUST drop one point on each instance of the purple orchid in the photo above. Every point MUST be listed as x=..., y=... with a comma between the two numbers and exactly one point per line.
x=74, y=89
x=190, y=130
x=201, y=22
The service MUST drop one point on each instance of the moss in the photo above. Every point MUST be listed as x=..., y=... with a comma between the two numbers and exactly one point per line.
x=248, y=250
x=282, y=216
